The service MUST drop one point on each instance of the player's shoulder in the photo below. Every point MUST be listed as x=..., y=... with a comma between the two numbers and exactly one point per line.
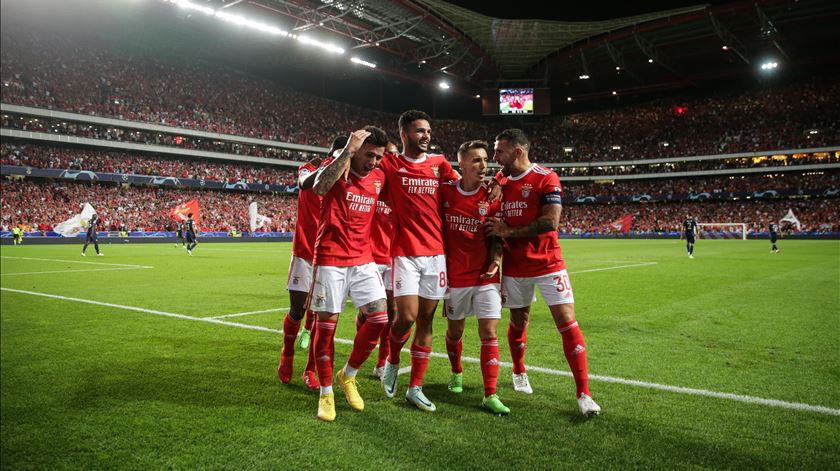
x=436, y=158
x=307, y=168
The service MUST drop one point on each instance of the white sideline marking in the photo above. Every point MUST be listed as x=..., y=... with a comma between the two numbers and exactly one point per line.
x=248, y=313
x=70, y=271
x=76, y=261
x=607, y=379
x=646, y=264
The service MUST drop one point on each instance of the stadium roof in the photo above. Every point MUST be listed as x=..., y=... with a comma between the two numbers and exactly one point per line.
x=426, y=40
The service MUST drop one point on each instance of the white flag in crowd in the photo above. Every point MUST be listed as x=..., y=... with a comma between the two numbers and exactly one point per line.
x=257, y=220
x=73, y=226
x=789, y=217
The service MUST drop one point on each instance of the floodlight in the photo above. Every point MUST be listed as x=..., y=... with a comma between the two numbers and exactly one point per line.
x=365, y=63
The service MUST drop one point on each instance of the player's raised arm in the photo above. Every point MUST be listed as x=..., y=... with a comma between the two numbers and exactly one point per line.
x=330, y=174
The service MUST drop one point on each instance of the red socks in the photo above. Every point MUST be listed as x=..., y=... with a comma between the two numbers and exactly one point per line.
x=384, y=345
x=310, y=359
x=310, y=320
x=490, y=365
x=517, y=338
x=453, y=350
x=290, y=331
x=397, y=344
x=366, y=338
x=575, y=349
x=419, y=362
x=324, y=350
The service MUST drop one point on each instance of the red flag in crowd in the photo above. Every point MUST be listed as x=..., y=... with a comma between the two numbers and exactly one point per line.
x=179, y=213
x=623, y=224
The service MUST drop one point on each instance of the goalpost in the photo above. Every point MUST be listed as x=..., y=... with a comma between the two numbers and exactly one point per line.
x=723, y=230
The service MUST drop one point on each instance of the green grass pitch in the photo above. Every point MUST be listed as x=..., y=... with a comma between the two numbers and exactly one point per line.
x=96, y=386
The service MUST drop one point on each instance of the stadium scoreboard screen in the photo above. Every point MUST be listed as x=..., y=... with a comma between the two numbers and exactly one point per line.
x=519, y=100
x=516, y=101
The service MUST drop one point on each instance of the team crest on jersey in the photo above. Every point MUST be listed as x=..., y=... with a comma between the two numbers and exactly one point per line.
x=526, y=190
x=378, y=185
x=398, y=283
x=320, y=299
x=436, y=171
x=482, y=208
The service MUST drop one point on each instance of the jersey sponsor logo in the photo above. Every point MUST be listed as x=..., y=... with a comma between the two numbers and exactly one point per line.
x=456, y=222
x=513, y=208
x=526, y=190
x=382, y=207
x=360, y=203
x=420, y=186
x=482, y=208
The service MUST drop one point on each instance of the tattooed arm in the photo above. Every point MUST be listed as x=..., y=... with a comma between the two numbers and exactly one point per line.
x=547, y=222
x=330, y=174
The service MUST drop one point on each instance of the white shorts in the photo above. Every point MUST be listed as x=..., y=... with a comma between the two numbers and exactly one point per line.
x=300, y=275
x=385, y=273
x=423, y=276
x=333, y=284
x=485, y=302
x=554, y=287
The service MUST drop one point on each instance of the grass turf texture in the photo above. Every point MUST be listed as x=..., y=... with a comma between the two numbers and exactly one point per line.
x=91, y=387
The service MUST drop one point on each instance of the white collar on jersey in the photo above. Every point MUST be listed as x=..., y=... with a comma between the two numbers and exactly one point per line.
x=415, y=161
x=467, y=193
x=522, y=175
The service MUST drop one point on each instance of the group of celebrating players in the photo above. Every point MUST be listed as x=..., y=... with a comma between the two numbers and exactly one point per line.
x=398, y=232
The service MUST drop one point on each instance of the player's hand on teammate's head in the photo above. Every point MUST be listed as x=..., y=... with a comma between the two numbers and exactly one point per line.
x=357, y=138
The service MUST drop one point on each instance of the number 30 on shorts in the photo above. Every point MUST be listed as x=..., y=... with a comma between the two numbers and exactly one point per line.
x=563, y=283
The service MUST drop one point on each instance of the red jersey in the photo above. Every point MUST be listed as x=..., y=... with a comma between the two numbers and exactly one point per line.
x=412, y=193
x=346, y=213
x=381, y=232
x=464, y=214
x=522, y=199
x=308, y=212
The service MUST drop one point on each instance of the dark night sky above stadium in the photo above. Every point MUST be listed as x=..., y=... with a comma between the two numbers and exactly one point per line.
x=588, y=10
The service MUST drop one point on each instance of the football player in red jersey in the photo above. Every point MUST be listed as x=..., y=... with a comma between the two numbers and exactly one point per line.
x=472, y=261
x=300, y=272
x=418, y=264
x=381, y=232
x=532, y=258
x=344, y=263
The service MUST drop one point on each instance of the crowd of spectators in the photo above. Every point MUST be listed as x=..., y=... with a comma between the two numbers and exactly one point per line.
x=41, y=204
x=82, y=75
x=72, y=158
x=118, y=134
x=816, y=215
x=661, y=188
x=97, y=160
